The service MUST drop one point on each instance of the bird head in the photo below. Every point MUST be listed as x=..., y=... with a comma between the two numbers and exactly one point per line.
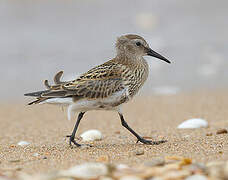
x=135, y=46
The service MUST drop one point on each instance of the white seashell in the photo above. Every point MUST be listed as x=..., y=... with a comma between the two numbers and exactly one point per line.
x=36, y=154
x=86, y=171
x=193, y=123
x=23, y=143
x=91, y=135
x=122, y=166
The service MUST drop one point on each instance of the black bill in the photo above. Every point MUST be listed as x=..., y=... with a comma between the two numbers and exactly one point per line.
x=150, y=52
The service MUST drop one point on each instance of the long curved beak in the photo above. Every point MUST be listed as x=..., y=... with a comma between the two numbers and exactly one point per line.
x=150, y=52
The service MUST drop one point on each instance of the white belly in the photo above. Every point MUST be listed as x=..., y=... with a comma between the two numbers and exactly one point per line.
x=110, y=103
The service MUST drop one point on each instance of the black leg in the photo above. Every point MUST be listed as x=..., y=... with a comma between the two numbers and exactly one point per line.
x=72, y=136
x=139, y=138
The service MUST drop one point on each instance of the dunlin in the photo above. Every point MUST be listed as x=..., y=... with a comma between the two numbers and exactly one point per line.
x=104, y=87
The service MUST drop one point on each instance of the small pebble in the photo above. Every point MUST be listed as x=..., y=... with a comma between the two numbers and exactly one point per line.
x=139, y=152
x=23, y=143
x=36, y=154
x=91, y=135
x=103, y=159
x=193, y=123
x=222, y=131
x=209, y=134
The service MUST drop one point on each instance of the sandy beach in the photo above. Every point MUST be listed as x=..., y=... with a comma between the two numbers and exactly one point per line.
x=156, y=117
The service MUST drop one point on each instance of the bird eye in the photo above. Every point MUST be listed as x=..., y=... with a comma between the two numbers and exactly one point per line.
x=138, y=43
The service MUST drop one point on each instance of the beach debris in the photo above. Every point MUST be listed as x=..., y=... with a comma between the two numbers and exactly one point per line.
x=104, y=158
x=23, y=143
x=86, y=171
x=193, y=123
x=172, y=167
x=185, y=161
x=209, y=134
x=35, y=154
x=91, y=135
x=139, y=152
x=117, y=132
x=222, y=131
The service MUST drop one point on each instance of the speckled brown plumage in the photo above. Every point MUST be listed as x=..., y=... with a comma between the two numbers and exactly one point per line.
x=104, y=87
x=101, y=81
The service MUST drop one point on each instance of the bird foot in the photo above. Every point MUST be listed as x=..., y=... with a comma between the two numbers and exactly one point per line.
x=148, y=142
x=71, y=140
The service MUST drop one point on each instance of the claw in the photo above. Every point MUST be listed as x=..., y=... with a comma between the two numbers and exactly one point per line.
x=75, y=143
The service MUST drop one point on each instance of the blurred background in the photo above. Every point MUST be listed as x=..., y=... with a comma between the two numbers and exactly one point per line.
x=39, y=38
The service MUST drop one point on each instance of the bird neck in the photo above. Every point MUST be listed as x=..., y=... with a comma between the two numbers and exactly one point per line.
x=134, y=61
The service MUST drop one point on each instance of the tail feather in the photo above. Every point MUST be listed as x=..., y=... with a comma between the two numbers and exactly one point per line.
x=42, y=96
x=37, y=101
x=37, y=93
x=51, y=92
x=57, y=93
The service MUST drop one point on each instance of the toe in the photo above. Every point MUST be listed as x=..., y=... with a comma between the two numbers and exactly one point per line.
x=148, y=142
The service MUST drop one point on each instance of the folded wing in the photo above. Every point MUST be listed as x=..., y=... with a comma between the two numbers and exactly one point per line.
x=96, y=83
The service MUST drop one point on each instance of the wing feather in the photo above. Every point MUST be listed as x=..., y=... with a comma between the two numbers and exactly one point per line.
x=99, y=82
